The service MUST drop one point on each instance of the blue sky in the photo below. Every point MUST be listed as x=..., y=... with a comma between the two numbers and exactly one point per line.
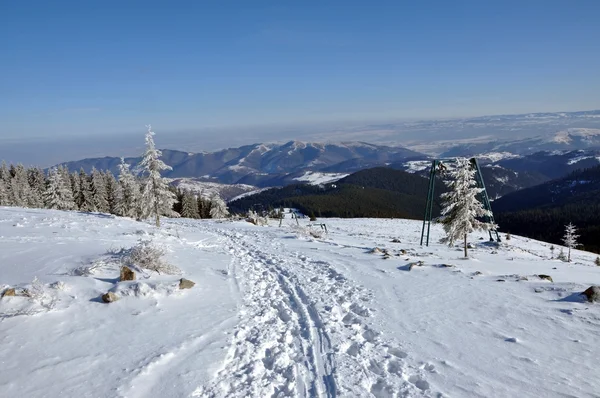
x=91, y=67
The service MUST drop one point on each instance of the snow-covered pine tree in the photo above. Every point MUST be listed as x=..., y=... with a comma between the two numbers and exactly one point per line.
x=57, y=196
x=128, y=198
x=570, y=239
x=112, y=191
x=189, y=205
x=218, y=208
x=19, y=186
x=99, y=194
x=157, y=199
x=462, y=210
x=68, y=188
x=74, y=178
x=85, y=199
x=5, y=193
x=37, y=183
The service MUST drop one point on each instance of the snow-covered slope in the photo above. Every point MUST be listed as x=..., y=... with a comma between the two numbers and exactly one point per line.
x=276, y=312
x=317, y=178
x=207, y=188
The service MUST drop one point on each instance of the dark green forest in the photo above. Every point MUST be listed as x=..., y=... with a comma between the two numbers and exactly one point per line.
x=377, y=192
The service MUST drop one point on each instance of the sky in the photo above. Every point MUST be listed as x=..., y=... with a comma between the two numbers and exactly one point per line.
x=82, y=68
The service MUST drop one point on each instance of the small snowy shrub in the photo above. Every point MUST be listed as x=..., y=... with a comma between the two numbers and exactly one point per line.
x=37, y=293
x=597, y=261
x=561, y=256
x=256, y=219
x=148, y=256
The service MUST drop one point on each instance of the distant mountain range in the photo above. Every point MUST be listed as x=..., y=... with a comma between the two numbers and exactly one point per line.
x=265, y=164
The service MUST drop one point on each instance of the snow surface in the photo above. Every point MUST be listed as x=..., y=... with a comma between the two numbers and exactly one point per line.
x=277, y=312
x=318, y=178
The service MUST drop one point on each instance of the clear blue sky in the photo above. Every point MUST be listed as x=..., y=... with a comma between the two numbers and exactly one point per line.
x=83, y=67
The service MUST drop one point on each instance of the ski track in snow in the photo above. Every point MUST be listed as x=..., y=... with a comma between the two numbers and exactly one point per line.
x=304, y=331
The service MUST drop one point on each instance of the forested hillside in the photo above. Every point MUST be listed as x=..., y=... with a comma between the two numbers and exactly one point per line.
x=541, y=212
x=377, y=192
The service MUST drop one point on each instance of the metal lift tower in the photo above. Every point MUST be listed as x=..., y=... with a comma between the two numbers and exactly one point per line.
x=437, y=166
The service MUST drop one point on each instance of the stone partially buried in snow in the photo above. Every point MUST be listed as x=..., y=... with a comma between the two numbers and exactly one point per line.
x=546, y=277
x=109, y=297
x=9, y=292
x=127, y=274
x=186, y=283
x=592, y=293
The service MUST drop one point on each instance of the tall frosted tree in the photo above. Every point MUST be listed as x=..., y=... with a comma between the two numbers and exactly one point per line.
x=462, y=211
x=189, y=205
x=218, y=208
x=37, y=183
x=65, y=177
x=128, y=197
x=19, y=186
x=5, y=192
x=570, y=239
x=112, y=191
x=57, y=196
x=84, y=199
x=99, y=194
x=157, y=199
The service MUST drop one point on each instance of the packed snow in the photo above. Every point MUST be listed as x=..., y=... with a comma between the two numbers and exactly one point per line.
x=207, y=189
x=360, y=311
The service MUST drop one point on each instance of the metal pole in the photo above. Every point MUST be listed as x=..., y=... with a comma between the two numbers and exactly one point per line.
x=425, y=217
x=486, y=200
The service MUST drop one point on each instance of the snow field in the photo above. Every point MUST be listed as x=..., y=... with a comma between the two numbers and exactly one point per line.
x=276, y=312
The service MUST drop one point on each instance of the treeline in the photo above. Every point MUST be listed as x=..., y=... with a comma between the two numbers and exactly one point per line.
x=99, y=191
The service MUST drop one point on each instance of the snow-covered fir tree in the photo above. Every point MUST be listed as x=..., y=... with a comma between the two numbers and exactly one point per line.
x=570, y=239
x=462, y=210
x=128, y=198
x=37, y=183
x=112, y=191
x=84, y=199
x=5, y=192
x=157, y=199
x=56, y=195
x=189, y=205
x=218, y=208
x=68, y=188
x=74, y=177
x=19, y=187
x=99, y=194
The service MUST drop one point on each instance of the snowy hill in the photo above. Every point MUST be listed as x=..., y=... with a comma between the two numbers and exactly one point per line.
x=277, y=311
x=207, y=189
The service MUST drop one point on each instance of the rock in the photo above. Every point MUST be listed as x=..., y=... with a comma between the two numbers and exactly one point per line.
x=109, y=297
x=396, y=240
x=186, y=283
x=546, y=277
x=127, y=274
x=477, y=273
x=375, y=250
x=446, y=265
x=9, y=292
x=500, y=280
x=592, y=293
x=402, y=251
